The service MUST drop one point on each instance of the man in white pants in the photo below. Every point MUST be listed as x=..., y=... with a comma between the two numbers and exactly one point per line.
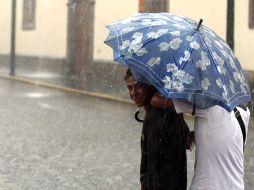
x=219, y=160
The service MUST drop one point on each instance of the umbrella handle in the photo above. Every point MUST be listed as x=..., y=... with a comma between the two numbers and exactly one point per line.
x=194, y=104
x=194, y=110
x=137, y=118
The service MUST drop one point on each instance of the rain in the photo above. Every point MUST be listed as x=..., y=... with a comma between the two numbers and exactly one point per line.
x=67, y=122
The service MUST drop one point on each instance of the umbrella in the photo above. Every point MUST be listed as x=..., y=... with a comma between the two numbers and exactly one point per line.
x=183, y=59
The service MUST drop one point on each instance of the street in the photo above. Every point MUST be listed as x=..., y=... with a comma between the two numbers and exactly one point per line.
x=56, y=140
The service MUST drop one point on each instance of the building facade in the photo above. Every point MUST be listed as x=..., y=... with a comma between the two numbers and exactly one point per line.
x=42, y=26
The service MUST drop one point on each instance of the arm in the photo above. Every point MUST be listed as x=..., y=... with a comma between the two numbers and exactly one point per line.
x=159, y=101
x=190, y=140
x=183, y=106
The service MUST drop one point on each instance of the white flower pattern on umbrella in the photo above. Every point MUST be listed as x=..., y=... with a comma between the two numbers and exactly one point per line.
x=154, y=61
x=138, y=37
x=184, y=58
x=188, y=79
x=174, y=44
x=231, y=62
x=225, y=92
x=243, y=89
x=125, y=44
x=204, y=62
x=194, y=45
x=219, y=83
x=128, y=29
x=219, y=63
x=183, y=77
x=179, y=78
x=237, y=77
x=128, y=55
x=167, y=82
x=232, y=86
x=178, y=86
x=141, y=52
x=189, y=38
x=150, y=22
x=156, y=35
x=175, y=33
x=135, y=46
x=179, y=26
x=205, y=84
x=171, y=67
x=179, y=75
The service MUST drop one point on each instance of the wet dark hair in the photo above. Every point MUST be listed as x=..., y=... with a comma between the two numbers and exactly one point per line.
x=128, y=74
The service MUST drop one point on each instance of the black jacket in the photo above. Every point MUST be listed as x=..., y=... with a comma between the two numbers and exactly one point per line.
x=163, y=151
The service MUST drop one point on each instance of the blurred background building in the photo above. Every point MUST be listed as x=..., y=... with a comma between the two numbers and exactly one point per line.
x=61, y=41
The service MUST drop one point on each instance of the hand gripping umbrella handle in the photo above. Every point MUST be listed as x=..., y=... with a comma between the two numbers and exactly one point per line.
x=194, y=99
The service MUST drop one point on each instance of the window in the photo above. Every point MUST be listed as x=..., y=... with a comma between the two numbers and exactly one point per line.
x=141, y=6
x=28, y=14
x=251, y=14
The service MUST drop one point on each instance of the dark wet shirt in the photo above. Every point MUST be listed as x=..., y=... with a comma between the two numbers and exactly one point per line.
x=163, y=151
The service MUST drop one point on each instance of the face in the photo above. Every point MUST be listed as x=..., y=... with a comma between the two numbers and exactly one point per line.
x=139, y=93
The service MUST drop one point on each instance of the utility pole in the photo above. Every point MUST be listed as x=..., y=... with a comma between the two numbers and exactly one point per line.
x=156, y=6
x=230, y=23
x=13, y=39
x=79, y=38
x=70, y=38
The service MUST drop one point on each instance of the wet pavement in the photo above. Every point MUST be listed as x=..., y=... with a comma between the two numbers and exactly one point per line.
x=54, y=140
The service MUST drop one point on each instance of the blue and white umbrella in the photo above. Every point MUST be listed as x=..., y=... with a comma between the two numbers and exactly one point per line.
x=181, y=58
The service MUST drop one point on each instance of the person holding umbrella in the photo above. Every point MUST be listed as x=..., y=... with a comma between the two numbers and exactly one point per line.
x=219, y=141
x=188, y=62
x=163, y=141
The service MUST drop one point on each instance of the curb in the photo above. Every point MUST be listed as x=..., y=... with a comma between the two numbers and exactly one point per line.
x=72, y=90
x=66, y=89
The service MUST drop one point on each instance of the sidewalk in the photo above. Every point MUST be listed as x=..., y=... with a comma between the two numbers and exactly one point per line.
x=55, y=77
x=100, y=77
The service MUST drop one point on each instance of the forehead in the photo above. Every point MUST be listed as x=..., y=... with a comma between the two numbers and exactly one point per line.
x=131, y=81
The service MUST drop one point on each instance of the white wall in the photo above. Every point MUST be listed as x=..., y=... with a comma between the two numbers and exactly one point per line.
x=212, y=12
x=5, y=26
x=244, y=37
x=106, y=12
x=49, y=37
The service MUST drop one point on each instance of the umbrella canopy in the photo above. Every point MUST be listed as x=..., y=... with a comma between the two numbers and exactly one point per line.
x=181, y=58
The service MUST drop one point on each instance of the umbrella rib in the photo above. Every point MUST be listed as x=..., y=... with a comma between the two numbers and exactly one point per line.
x=120, y=34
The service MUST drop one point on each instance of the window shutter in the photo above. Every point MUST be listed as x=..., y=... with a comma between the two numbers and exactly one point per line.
x=251, y=14
x=29, y=14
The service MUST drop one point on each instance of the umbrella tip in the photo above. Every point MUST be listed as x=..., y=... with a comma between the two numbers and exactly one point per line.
x=199, y=24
